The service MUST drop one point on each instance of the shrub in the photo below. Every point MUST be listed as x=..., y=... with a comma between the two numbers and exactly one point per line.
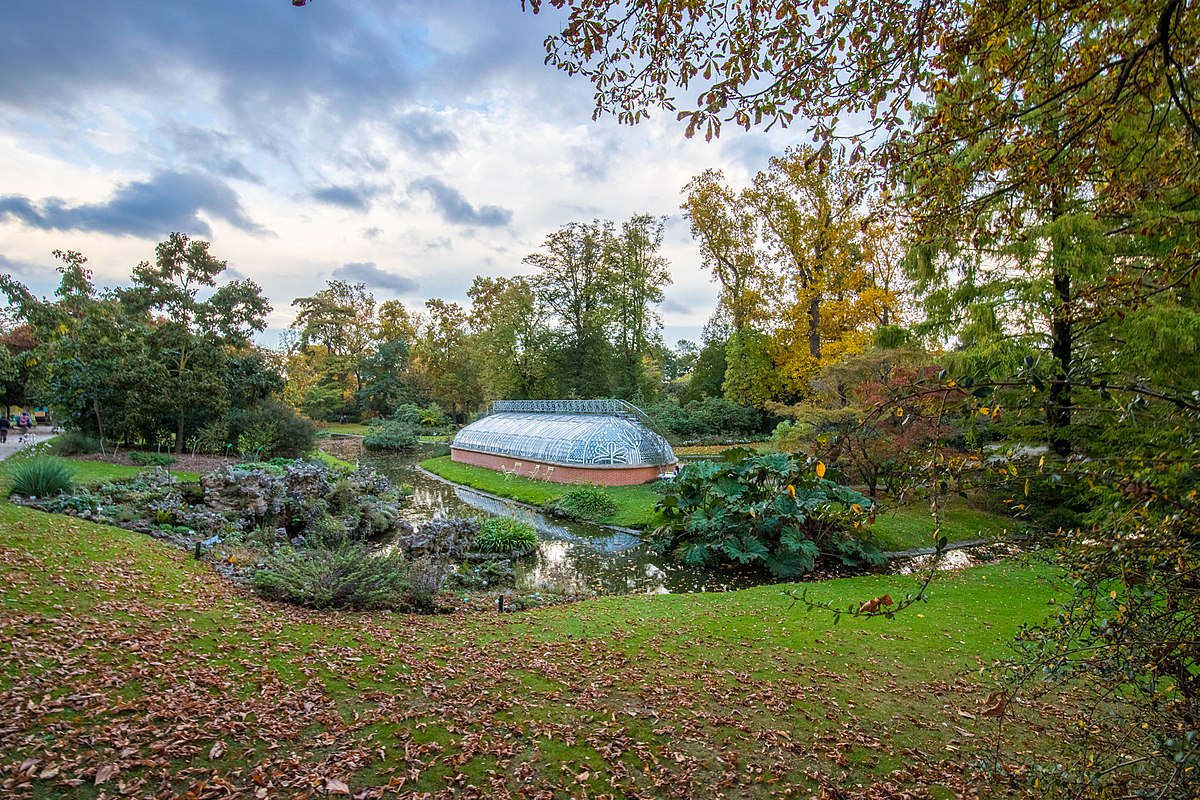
x=432, y=416
x=42, y=476
x=505, y=535
x=350, y=576
x=73, y=443
x=268, y=429
x=589, y=503
x=213, y=437
x=391, y=434
x=426, y=577
x=144, y=459
x=710, y=417
x=792, y=437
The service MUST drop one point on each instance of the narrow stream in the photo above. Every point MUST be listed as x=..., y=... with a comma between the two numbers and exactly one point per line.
x=571, y=557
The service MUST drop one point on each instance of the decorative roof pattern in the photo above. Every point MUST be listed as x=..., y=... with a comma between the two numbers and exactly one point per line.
x=582, y=438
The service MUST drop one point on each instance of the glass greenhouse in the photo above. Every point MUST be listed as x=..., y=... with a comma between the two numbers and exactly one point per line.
x=572, y=433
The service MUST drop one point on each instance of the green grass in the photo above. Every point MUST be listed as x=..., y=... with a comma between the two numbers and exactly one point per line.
x=911, y=526
x=635, y=504
x=121, y=651
x=350, y=428
x=91, y=473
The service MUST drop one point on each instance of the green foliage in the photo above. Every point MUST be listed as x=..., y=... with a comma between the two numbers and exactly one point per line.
x=505, y=535
x=484, y=575
x=393, y=434
x=143, y=458
x=75, y=443
x=40, y=476
x=710, y=417
x=350, y=576
x=589, y=503
x=750, y=375
x=771, y=511
x=792, y=437
x=269, y=428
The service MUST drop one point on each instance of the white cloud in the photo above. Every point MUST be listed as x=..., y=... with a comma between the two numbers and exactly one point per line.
x=428, y=138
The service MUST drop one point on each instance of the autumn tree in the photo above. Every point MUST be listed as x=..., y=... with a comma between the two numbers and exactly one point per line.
x=442, y=358
x=725, y=227
x=337, y=329
x=824, y=241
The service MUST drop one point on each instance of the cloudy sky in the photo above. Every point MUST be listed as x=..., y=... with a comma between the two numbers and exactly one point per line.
x=406, y=145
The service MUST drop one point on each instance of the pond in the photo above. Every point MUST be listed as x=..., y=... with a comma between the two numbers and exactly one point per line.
x=571, y=557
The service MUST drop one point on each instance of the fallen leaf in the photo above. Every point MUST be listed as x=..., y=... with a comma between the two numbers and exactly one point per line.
x=217, y=750
x=48, y=773
x=104, y=773
x=334, y=786
x=995, y=705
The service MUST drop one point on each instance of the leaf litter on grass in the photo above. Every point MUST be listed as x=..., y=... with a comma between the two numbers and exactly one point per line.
x=191, y=687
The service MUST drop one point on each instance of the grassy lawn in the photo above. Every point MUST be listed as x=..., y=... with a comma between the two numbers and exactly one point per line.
x=128, y=668
x=92, y=473
x=351, y=428
x=635, y=504
x=904, y=528
x=911, y=526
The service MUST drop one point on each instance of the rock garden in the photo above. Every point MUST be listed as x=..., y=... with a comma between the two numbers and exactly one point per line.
x=299, y=531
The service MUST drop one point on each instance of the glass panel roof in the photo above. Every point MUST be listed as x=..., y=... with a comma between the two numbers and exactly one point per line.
x=591, y=438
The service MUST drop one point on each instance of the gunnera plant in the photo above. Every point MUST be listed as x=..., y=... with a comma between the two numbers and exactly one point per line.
x=350, y=576
x=505, y=535
x=587, y=503
x=42, y=476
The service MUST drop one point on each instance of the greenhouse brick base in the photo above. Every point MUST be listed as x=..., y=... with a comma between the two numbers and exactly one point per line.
x=603, y=475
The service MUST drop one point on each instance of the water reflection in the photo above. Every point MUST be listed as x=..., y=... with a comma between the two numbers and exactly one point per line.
x=571, y=557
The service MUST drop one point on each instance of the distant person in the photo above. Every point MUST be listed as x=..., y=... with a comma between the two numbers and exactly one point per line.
x=24, y=422
x=5, y=424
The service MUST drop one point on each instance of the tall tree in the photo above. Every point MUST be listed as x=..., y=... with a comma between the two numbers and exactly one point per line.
x=338, y=329
x=511, y=338
x=639, y=276
x=818, y=232
x=189, y=328
x=442, y=357
x=725, y=227
x=575, y=281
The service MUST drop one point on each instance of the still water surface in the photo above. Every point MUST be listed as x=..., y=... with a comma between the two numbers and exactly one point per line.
x=570, y=558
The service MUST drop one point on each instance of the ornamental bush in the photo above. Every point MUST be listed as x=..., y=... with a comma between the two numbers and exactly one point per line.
x=588, y=503
x=505, y=535
x=772, y=511
x=391, y=434
x=41, y=476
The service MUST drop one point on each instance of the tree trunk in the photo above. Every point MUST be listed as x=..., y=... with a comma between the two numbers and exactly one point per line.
x=1058, y=412
x=814, y=329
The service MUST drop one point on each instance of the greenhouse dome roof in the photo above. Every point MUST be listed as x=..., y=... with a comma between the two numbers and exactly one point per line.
x=584, y=433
